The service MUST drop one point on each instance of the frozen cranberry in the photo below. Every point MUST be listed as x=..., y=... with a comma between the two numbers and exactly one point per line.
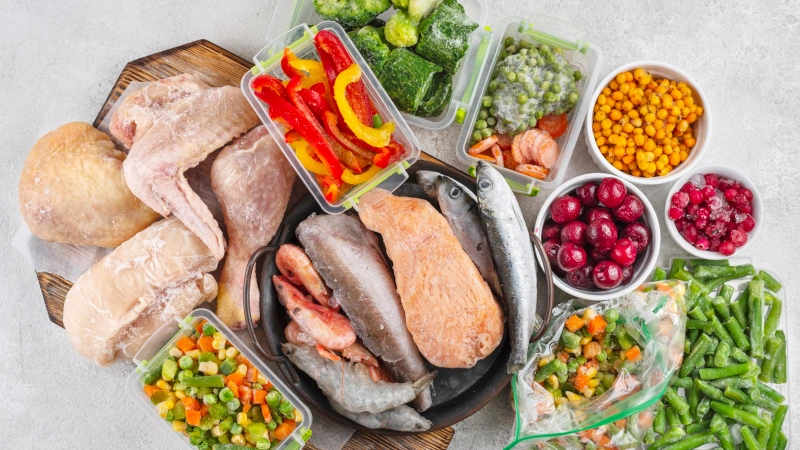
x=550, y=229
x=688, y=187
x=727, y=248
x=708, y=192
x=716, y=229
x=701, y=223
x=696, y=197
x=730, y=194
x=691, y=211
x=747, y=208
x=551, y=250
x=607, y=275
x=702, y=244
x=598, y=212
x=601, y=233
x=629, y=210
x=624, y=252
x=738, y=237
x=581, y=278
x=599, y=254
x=739, y=200
x=689, y=233
x=571, y=257
x=703, y=213
x=748, y=194
x=627, y=274
x=711, y=180
x=680, y=224
x=680, y=199
x=587, y=194
x=611, y=192
x=675, y=213
x=725, y=184
x=639, y=234
x=748, y=223
x=714, y=243
x=574, y=232
x=565, y=209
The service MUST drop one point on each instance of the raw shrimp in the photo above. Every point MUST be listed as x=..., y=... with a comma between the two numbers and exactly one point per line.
x=535, y=146
x=533, y=170
x=325, y=326
x=350, y=384
x=359, y=353
x=402, y=418
x=482, y=146
x=497, y=153
x=294, y=264
x=295, y=335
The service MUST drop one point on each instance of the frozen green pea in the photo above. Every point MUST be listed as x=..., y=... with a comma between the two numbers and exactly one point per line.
x=522, y=99
x=487, y=101
x=486, y=133
x=480, y=123
x=511, y=76
x=491, y=121
x=483, y=114
x=476, y=136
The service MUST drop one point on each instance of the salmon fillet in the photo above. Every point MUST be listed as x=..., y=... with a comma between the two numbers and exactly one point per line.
x=450, y=311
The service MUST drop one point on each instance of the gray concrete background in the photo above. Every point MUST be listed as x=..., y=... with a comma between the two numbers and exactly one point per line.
x=59, y=60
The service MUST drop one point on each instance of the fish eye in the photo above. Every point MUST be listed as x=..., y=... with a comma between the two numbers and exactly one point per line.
x=455, y=191
x=485, y=185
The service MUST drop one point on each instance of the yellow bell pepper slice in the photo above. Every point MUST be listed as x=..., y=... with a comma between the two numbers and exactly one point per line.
x=351, y=178
x=300, y=147
x=376, y=137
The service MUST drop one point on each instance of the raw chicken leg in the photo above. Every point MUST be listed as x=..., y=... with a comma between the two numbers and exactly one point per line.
x=449, y=308
x=252, y=181
x=137, y=113
x=181, y=138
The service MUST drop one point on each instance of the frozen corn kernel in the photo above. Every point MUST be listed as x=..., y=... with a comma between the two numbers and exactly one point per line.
x=591, y=372
x=238, y=439
x=216, y=431
x=242, y=369
x=261, y=379
x=573, y=397
x=163, y=385
x=194, y=354
x=231, y=352
x=180, y=395
x=242, y=419
x=208, y=368
x=221, y=354
x=179, y=426
x=553, y=380
x=175, y=352
x=586, y=340
x=594, y=382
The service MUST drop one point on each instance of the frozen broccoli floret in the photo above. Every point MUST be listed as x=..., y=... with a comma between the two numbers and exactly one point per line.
x=369, y=42
x=422, y=8
x=400, y=4
x=445, y=35
x=402, y=30
x=351, y=13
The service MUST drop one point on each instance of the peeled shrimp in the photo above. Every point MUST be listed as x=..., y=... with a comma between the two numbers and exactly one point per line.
x=497, y=153
x=295, y=265
x=535, y=146
x=325, y=326
x=482, y=146
x=533, y=170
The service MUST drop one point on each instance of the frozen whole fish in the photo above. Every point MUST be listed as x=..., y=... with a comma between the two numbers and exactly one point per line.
x=426, y=179
x=459, y=206
x=402, y=418
x=348, y=257
x=349, y=383
x=513, y=258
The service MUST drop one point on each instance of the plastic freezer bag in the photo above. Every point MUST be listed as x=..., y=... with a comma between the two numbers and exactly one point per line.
x=651, y=318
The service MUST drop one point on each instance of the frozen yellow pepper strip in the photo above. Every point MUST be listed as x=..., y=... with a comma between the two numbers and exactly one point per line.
x=351, y=178
x=315, y=72
x=300, y=147
x=376, y=137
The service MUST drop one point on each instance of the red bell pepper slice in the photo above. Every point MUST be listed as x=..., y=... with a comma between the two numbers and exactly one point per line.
x=335, y=59
x=331, y=187
x=331, y=122
x=309, y=129
x=290, y=71
x=315, y=102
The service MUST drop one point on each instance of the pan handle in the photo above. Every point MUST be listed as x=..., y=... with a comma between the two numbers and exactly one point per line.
x=251, y=264
x=548, y=274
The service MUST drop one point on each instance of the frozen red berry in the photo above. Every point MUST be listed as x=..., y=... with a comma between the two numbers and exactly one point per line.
x=708, y=192
x=598, y=212
x=738, y=237
x=703, y=213
x=727, y=248
x=611, y=192
x=688, y=187
x=675, y=213
x=680, y=224
x=748, y=194
x=550, y=229
x=748, y=223
x=629, y=210
x=747, y=208
x=638, y=233
x=725, y=184
x=587, y=194
x=624, y=252
x=627, y=274
x=702, y=244
x=551, y=250
x=689, y=233
x=680, y=199
x=607, y=275
x=601, y=234
x=730, y=194
x=711, y=180
x=565, y=209
x=696, y=197
x=571, y=257
x=581, y=278
x=716, y=229
x=574, y=232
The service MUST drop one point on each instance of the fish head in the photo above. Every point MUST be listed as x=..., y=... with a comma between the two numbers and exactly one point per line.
x=491, y=188
x=427, y=181
x=453, y=199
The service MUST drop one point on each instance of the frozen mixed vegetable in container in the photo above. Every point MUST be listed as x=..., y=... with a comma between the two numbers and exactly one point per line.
x=212, y=392
x=331, y=118
x=427, y=54
x=531, y=102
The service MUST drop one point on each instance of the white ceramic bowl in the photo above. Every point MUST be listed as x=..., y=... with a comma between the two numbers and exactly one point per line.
x=723, y=171
x=701, y=128
x=644, y=265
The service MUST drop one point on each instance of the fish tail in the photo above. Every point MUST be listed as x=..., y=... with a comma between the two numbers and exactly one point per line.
x=423, y=383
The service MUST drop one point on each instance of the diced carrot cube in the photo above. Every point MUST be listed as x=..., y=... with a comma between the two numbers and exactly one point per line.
x=259, y=396
x=284, y=430
x=596, y=325
x=236, y=378
x=199, y=326
x=191, y=403
x=233, y=387
x=241, y=359
x=266, y=413
x=574, y=323
x=149, y=390
x=252, y=374
x=193, y=417
x=591, y=350
x=246, y=407
x=246, y=394
x=203, y=410
x=634, y=354
x=206, y=344
x=185, y=344
x=581, y=381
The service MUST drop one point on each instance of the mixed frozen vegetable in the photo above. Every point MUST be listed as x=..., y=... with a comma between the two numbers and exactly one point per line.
x=734, y=352
x=213, y=395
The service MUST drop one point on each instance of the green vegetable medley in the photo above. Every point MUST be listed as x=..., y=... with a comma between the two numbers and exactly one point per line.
x=733, y=350
x=529, y=82
x=216, y=397
x=415, y=54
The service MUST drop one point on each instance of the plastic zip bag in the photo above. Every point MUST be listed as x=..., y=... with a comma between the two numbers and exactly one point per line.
x=653, y=318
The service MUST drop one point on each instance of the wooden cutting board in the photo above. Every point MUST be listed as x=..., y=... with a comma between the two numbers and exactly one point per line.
x=217, y=67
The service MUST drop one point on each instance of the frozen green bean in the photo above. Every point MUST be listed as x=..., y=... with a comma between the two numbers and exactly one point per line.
x=720, y=332
x=677, y=265
x=699, y=349
x=693, y=441
x=770, y=282
x=672, y=435
x=749, y=441
x=687, y=277
x=660, y=422
x=726, y=293
x=712, y=392
x=698, y=427
x=703, y=407
x=763, y=433
x=673, y=420
x=693, y=399
x=721, y=307
x=777, y=424
x=681, y=382
x=779, y=375
x=737, y=414
x=676, y=401
x=722, y=354
x=704, y=326
x=771, y=393
x=735, y=381
x=697, y=314
x=772, y=349
x=724, y=372
x=756, y=319
x=704, y=271
x=720, y=427
x=736, y=333
x=737, y=395
x=738, y=313
x=738, y=355
x=782, y=442
x=709, y=262
x=659, y=274
x=762, y=401
x=774, y=316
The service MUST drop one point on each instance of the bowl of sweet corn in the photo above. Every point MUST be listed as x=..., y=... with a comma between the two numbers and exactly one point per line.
x=649, y=123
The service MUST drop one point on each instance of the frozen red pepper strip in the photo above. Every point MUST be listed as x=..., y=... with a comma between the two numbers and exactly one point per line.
x=286, y=65
x=331, y=122
x=268, y=88
x=315, y=102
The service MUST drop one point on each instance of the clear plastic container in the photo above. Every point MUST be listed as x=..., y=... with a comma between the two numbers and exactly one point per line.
x=156, y=350
x=300, y=40
x=581, y=55
x=291, y=13
x=739, y=287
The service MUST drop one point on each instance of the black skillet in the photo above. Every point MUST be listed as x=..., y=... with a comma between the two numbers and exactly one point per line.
x=457, y=393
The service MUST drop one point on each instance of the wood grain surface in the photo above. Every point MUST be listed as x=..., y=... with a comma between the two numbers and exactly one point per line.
x=217, y=67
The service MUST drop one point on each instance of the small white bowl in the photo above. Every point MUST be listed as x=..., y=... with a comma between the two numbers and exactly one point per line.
x=723, y=171
x=644, y=265
x=701, y=128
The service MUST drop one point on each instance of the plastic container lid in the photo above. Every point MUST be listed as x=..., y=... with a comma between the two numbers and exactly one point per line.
x=290, y=14
x=156, y=350
x=580, y=54
x=300, y=40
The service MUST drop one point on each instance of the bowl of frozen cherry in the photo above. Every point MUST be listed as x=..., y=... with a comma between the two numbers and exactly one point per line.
x=601, y=236
x=713, y=212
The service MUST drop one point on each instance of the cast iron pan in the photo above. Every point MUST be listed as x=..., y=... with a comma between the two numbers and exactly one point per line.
x=457, y=393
